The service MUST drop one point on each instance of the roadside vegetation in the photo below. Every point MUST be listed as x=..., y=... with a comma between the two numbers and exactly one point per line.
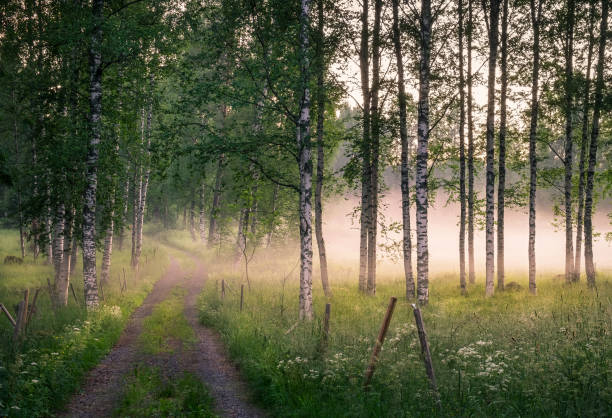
x=509, y=355
x=41, y=372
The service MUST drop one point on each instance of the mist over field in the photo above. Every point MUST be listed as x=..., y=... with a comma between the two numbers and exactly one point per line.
x=342, y=237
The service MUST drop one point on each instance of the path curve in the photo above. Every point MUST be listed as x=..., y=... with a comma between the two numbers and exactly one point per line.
x=101, y=392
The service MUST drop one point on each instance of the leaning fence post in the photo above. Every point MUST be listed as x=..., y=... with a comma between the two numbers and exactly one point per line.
x=241, y=296
x=326, y=324
x=379, y=342
x=426, y=354
x=22, y=311
x=74, y=294
x=8, y=315
x=31, y=310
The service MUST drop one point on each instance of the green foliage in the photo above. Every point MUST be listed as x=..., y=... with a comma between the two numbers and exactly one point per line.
x=507, y=355
x=38, y=376
x=147, y=394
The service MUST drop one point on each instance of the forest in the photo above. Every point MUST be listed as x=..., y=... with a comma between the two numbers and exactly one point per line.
x=305, y=208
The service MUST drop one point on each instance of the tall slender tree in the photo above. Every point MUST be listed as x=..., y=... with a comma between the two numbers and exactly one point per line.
x=425, y=23
x=493, y=21
x=470, y=156
x=375, y=147
x=569, y=141
x=320, y=148
x=462, y=202
x=364, y=69
x=536, y=19
x=405, y=168
x=89, y=207
x=584, y=143
x=597, y=105
x=501, y=185
x=305, y=168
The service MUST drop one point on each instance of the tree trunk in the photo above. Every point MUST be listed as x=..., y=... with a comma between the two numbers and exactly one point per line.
x=501, y=185
x=375, y=148
x=108, y=245
x=241, y=237
x=584, y=143
x=321, y=153
x=274, y=197
x=202, y=221
x=66, y=266
x=470, y=158
x=74, y=254
x=49, y=223
x=126, y=194
x=462, y=281
x=422, y=154
x=490, y=186
x=90, y=284
x=18, y=181
x=192, y=230
x=137, y=181
x=569, y=142
x=533, y=127
x=58, y=254
x=145, y=181
x=364, y=65
x=215, y=203
x=588, y=201
x=405, y=177
x=305, y=169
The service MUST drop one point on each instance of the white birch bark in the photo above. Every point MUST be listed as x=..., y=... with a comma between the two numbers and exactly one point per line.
x=305, y=168
x=422, y=155
x=89, y=205
x=588, y=201
x=58, y=252
x=405, y=177
x=536, y=15
x=490, y=159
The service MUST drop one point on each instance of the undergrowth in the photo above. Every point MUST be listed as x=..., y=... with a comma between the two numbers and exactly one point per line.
x=509, y=355
x=39, y=375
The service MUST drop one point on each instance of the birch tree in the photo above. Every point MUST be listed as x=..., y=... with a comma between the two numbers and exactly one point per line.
x=597, y=105
x=405, y=176
x=493, y=25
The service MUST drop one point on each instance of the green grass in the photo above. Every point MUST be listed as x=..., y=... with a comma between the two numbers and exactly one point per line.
x=510, y=355
x=38, y=376
x=166, y=324
x=147, y=394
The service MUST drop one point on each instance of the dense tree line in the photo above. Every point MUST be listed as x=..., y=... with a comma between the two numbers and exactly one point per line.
x=211, y=116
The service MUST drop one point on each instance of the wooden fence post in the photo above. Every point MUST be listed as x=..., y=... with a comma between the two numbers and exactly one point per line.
x=22, y=311
x=31, y=310
x=8, y=315
x=74, y=294
x=426, y=354
x=241, y=296
x=379, y=342
x=222, y=289
x=326, y=324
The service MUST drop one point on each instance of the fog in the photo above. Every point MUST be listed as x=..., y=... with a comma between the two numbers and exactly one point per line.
x=341, y=232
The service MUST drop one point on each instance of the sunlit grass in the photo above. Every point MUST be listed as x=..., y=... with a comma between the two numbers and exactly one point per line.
x=508, y=355
x=166, y=325
x=45, y=369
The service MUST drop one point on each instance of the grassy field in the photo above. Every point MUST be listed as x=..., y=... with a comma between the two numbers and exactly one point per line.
x=39, y=375
x=510, y=355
